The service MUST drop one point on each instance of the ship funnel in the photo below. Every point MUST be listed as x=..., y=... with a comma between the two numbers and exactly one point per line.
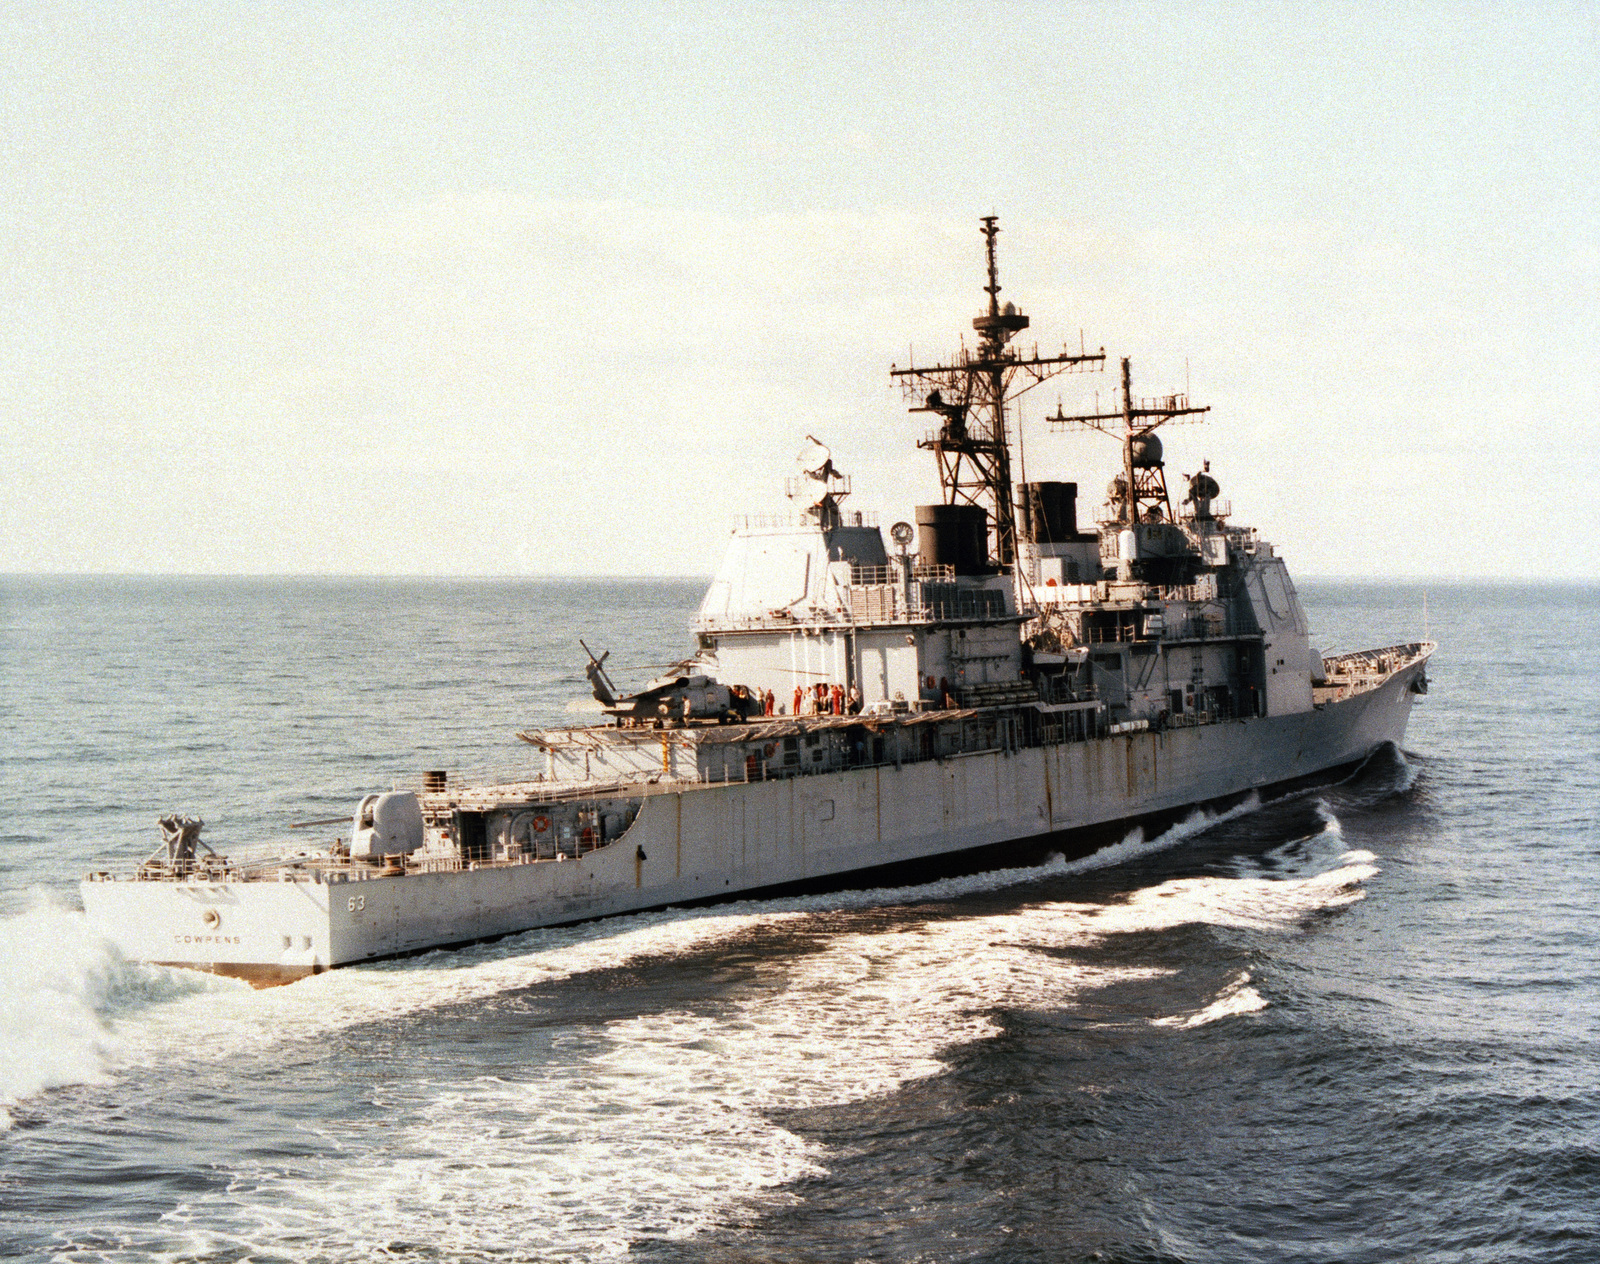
x=1050, y=512
x=954, y=535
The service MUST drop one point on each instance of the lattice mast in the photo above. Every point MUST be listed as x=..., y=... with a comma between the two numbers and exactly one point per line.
x=1142, y=486
x=972, y=445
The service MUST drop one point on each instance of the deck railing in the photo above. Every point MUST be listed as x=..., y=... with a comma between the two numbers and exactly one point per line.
x=873, y=742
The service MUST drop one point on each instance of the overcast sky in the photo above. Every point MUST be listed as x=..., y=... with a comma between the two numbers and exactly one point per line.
x=559, y=289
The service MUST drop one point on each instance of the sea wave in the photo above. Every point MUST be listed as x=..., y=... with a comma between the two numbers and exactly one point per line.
x=1238, y=997
x=647, y=1125
x=652, y=1124
x=52, y=996
x=77, y=1013
x=1135, y=846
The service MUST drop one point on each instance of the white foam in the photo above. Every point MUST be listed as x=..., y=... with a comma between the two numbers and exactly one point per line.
x=1135, y=846
x=238, y=1019
x=54, y=981
x=1237, y=998
x=646, y=1125
x=1242, y=903
x=652, y=1124
x=86, y=1014
x=1407, y=770
x=1309, y=854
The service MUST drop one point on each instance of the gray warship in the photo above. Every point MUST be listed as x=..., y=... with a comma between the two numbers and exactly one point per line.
x=986, y=687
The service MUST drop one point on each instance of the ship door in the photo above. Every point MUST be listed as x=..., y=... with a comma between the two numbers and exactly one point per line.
x=472, y=830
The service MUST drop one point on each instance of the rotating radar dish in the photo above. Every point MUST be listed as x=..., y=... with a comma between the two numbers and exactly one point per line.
x=815, y=460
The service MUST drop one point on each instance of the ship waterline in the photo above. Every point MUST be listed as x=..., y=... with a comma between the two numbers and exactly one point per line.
x=1005, y=805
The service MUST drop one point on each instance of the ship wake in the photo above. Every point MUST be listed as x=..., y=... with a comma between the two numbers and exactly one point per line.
x=652, y=1124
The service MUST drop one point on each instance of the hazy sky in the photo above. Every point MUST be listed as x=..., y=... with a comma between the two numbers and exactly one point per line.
x=559, y=289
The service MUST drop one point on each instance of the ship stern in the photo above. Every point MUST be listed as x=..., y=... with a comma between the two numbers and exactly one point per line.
x=265, y=933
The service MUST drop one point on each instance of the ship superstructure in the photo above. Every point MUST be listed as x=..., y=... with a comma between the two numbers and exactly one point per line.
x=987, y=686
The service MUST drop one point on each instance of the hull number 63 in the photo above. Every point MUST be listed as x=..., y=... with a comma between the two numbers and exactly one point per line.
x=357, y=902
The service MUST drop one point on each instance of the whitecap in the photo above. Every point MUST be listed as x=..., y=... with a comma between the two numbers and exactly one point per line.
x=653, y=1124
x=1134, y=846
x=1237, y=998
x=52, y=991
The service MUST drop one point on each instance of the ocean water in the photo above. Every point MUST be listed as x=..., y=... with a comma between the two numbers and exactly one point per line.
x=1359, y=1024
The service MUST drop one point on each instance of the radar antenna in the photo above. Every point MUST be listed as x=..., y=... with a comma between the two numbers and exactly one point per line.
x=970, y=395
x=1140, y=491
x=818, y=484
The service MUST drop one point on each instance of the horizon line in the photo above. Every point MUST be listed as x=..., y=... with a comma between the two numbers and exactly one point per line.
x=1452, y=580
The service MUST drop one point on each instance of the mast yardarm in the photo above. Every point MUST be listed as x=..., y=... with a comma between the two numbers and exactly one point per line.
x=970, y=394
x=1142, y=487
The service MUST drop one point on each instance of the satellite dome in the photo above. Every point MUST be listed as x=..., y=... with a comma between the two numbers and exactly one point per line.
x=1146, y=449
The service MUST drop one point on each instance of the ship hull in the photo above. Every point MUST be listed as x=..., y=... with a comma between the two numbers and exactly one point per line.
x=704, y=843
